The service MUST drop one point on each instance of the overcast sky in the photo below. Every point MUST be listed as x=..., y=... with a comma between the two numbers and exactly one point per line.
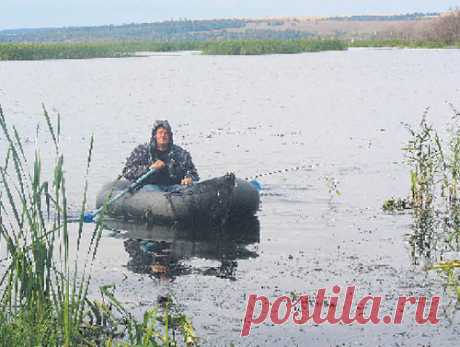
x=52, y=13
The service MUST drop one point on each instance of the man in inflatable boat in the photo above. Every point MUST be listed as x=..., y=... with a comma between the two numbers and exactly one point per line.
x=173, y=165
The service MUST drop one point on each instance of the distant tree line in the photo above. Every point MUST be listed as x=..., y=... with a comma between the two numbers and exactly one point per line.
x=398, y=17
x=194, y=30
x=121, y=40
x=115, y=34
x=166, y=30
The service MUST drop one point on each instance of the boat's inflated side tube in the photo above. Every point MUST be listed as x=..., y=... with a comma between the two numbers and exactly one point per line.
x=202, y=203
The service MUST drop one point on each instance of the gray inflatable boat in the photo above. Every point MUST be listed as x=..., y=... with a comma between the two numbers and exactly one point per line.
x=208, y=202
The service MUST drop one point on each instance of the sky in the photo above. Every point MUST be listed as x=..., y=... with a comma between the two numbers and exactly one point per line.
x=58, y=13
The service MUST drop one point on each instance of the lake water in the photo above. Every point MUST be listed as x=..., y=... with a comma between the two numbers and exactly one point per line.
x=339, y=113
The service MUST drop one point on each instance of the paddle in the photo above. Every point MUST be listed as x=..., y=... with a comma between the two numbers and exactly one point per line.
x=88, y=217
x=256, y=184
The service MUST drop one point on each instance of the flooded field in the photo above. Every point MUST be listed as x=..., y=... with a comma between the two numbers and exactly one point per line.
x=341, y=114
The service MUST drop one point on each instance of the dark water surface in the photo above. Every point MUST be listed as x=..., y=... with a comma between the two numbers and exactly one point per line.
x=338, y=112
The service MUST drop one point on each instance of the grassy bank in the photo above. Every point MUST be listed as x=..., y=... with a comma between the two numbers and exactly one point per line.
x=258, y=47
x=44, y=297
x=42, y=51
x=402, y=44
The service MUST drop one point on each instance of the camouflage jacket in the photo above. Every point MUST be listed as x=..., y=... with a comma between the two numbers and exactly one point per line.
x=178, y=165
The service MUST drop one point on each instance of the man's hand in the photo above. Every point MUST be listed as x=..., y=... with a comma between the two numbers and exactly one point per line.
x=186, y=181
x=158, y=165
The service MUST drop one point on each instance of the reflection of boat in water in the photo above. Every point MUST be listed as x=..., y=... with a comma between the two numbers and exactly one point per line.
x=162, y=250
x=208, y=202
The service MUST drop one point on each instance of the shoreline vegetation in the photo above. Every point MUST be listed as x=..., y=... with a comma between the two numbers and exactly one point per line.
x=433, y=200
x=234, y=36
x=44, y=51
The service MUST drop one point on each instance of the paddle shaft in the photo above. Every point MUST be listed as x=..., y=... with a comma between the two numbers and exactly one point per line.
x=131, y=187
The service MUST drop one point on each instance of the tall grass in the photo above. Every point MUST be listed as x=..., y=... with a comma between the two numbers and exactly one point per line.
x=117, y=49
x=44, y=294
x=435, y=165
x=400, y=43
x=39, y=51
x=434, y=161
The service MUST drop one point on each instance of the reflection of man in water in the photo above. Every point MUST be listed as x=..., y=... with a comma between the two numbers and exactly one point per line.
x=173, y=164
x=168, y=259
x=163, y=260
x=154, y=258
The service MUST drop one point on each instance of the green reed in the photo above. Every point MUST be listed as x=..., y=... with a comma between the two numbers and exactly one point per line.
x=400, y=43
x=434, y=163
x=434, y=200
x=424, y=156
x=43, y=291
x=85, y=50
x=448, y=269
x=38, y=285
x=116, y=49
x=258, y=47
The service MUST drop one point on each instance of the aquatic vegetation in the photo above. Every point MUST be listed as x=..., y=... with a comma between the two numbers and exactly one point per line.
x=111, y=323
x=44, y=291
x=434, y=162
x=396, y=204
x=84, y=50
x=450, y=271
x=258, y=47
x=434, y=168
x=40, y=51
x=423, y=154
x=118, y=49
x=332, y=185
x=401, y=43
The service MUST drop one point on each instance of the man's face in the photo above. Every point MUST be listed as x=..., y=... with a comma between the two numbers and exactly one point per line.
x=162, y=137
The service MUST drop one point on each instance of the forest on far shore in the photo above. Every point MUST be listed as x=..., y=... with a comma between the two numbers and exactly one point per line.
x=358, y=27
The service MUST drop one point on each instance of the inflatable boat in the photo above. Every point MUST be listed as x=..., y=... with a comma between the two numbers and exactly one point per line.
x=213, y=201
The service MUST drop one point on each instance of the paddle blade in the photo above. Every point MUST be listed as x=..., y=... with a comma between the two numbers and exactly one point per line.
x=88, y=217
x=256, y=184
